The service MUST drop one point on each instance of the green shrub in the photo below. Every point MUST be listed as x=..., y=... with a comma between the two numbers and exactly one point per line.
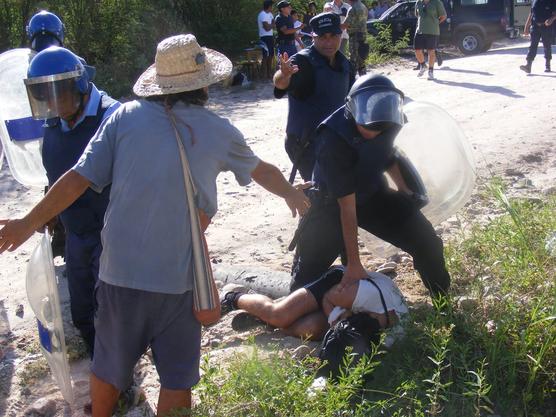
x=382, y=47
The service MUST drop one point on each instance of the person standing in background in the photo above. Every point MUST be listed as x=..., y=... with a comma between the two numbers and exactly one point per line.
x=340, y=8
x=539, y=26
x=430, y=14
x=286, y=31
x=356, y=25
x=265, y=23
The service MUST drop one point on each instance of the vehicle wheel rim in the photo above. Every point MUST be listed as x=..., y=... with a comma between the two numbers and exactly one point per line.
x=470, y=43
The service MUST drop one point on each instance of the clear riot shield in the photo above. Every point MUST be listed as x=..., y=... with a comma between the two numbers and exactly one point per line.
x=42, y=293
x=20, y=134
x=441, y=154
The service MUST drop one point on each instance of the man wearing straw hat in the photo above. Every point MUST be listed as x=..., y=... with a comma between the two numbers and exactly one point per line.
x=144, y=294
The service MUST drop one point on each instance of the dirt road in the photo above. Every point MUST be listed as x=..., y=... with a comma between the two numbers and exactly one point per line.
x=509, y=117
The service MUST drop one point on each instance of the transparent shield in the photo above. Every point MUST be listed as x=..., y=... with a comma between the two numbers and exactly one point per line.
x=442, y=156
x=20, y=135
x=42, y=293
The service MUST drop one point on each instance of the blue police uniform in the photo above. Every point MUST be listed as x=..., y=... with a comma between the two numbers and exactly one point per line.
x=541, y=10
x=83, y=220
x=315, y=91
x=346, y=164
x=286, y=43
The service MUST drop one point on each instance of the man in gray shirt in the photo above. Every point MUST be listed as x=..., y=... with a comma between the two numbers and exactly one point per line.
x=144, y=292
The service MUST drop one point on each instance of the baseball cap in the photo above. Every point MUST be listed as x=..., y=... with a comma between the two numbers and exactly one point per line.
x=326, y=23
x=282, y=4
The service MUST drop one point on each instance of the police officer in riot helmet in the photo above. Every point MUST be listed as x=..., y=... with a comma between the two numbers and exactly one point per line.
x=61, y=92
x=45, y=29
x=355, y=147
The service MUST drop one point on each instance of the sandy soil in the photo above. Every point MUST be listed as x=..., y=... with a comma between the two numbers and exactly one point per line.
x=509, y=118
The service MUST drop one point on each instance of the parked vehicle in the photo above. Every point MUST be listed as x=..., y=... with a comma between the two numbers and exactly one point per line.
x=472, y=25
x=521, y=9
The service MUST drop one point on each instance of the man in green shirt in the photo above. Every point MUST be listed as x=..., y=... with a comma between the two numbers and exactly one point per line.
x=356, y=25
x=430, y=14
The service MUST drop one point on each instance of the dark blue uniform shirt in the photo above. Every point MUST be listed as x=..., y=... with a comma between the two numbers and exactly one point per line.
x=541, y=10
x=347, y=163
x=286, y=21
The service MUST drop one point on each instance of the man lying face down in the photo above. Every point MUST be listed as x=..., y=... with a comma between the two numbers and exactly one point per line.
x=308, y=311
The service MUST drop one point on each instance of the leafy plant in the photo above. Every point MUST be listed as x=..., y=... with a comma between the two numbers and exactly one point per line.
x=383, y=47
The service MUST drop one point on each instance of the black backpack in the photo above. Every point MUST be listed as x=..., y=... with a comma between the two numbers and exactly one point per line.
x=357, y=331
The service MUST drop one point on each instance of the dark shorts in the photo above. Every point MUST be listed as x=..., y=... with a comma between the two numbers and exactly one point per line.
x=428, y=42
x=269, y=42
x=327, y=280
x=128, y=321
x=288, y=47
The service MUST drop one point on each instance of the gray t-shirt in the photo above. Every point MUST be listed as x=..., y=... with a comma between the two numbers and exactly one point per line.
x=147, y=235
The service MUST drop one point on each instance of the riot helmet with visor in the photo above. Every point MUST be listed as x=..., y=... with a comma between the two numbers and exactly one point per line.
x=375, y=103
x=56, y=83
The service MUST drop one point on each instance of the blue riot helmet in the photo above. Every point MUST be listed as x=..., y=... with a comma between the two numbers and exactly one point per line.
x=375, y=103
x=56, y=83
x=45, y=29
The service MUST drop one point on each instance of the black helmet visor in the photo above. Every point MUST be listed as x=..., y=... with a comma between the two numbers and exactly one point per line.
x=53, y=95
x=376, y=110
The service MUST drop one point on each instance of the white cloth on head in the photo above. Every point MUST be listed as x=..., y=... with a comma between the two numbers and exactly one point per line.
x=367, y=299
x=335, y=314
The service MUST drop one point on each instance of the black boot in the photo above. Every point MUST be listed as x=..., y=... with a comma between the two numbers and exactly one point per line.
x=526, y=67
x=547, y=67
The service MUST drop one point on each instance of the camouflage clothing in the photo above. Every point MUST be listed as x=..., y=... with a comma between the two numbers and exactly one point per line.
x=356, y=41
x=357, y=29
x=356, y=18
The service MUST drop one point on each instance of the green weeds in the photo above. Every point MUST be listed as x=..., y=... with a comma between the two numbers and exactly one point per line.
x=383, y=48
x=495, y=354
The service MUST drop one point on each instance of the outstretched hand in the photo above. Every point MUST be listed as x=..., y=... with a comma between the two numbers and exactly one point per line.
x=13, y=234
x=297, y=201
x=286, y=65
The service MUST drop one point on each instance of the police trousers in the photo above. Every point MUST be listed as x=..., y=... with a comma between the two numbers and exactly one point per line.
x=538, y=33
x=389, y=215
x=82, y=265
x=356, y=41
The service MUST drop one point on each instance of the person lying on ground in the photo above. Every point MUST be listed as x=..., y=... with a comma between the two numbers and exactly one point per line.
x=307, y=311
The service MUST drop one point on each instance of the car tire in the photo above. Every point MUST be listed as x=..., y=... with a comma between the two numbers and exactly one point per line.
x=470, y=42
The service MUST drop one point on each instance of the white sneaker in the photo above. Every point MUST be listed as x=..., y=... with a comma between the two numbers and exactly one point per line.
x=422, y=70
x=431, y=75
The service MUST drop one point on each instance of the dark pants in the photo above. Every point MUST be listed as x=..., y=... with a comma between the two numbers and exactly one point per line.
x=389, y=215
x=82, y=263
x=538, y=33
x=286, y=47
x=356, y=41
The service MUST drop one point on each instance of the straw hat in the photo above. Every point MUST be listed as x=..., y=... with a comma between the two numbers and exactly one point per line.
x=182, y=65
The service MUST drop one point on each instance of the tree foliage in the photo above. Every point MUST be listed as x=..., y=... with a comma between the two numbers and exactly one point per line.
x=119, y=37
